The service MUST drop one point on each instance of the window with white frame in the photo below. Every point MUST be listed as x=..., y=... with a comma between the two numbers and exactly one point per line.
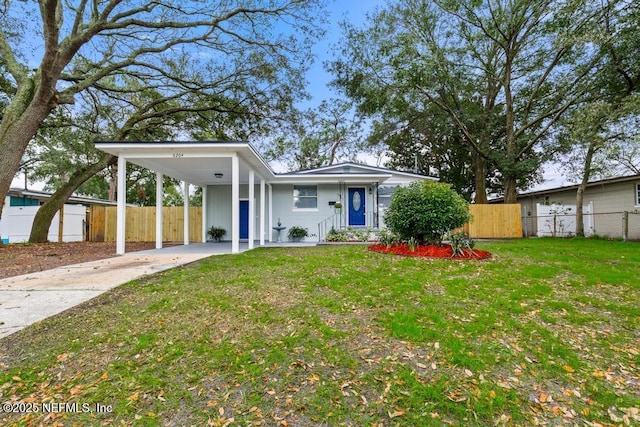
x=638, y=194
x=305, y=197
x=384, y=195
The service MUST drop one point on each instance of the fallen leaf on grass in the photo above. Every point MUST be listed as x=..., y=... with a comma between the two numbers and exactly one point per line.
x=396, y=413
x=568, y=368
x=456, y=396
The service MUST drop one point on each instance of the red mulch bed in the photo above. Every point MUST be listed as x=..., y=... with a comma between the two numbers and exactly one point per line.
x=430, y=251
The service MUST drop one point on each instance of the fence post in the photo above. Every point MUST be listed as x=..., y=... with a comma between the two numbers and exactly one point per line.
x=625, y=225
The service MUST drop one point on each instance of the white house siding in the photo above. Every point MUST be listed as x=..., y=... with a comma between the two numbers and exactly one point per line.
x=283, y=207
x=609, y=201
x=219, y=207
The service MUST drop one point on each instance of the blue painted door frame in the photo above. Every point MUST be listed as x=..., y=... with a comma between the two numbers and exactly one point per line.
x=357, y=206
x=244, y=219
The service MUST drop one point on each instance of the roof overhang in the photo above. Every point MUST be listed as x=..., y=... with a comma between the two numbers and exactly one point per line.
x=325, y=178
x=199, y=163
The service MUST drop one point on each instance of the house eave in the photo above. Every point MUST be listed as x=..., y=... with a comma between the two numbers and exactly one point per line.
x=325, y=178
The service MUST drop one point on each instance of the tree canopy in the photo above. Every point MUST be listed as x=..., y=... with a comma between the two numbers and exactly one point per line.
x=503, y=73
x=235, y=56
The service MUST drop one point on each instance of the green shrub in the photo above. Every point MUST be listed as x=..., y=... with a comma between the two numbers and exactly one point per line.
x=336, y=235
x=216, y=233
x=460, y=242
x=297, y=232
x=426, y=211
x=350, y=234
x=387, y=237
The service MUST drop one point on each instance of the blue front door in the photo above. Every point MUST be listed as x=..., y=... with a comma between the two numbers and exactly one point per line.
x=356, y=206
x=244, y=219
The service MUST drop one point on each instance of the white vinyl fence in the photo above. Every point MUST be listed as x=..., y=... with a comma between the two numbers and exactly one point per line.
x=16, y=222
x=560, y=220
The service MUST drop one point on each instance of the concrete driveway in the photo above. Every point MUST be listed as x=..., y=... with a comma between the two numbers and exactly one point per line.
x=29, y=298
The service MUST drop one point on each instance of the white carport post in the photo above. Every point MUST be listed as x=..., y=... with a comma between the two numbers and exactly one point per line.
x=270, y=213
x=204, y=214
x=159, y=194
x=186, y=213
x=235, y=204
x=252, y=208
x=261, y=212
x=121, y=205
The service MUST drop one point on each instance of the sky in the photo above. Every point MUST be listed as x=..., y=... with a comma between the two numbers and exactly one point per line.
x=355, y=12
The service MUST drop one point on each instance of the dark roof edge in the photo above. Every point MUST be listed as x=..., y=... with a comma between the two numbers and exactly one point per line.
x=596, y=183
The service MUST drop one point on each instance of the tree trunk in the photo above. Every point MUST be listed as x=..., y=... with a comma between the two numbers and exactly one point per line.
x=510, y=190
x=20, y=122
x=46, y=212
x=579, y=213
x=479, y=165
x=586, y=175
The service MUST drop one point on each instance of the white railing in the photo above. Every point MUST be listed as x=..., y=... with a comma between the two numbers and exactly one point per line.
x=339, y=222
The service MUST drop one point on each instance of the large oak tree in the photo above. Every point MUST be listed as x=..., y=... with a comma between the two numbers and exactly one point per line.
x=52, y=50
x=503, y=71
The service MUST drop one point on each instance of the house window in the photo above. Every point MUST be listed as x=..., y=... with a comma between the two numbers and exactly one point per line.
x=305, y=197
x=384, y=195
x=638, y=194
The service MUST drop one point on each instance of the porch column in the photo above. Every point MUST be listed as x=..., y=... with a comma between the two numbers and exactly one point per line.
x=261, y=212
x=159, y=194
x=270, y=213
x=186, y=213
x=252, y=208
x=121, y=205
x=204, y=214
x=235, y=204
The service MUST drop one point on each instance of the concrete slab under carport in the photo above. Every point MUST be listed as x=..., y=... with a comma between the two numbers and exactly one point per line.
x=32, y=297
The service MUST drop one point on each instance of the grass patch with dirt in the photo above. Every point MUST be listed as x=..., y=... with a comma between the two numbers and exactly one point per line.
x=545, y=332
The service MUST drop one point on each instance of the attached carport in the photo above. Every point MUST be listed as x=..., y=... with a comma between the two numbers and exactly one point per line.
x=201, y=164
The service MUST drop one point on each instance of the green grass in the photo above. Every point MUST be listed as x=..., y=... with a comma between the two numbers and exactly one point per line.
x=545, y=332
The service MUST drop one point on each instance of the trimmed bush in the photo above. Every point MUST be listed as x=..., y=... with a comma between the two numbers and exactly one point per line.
x=425, y=211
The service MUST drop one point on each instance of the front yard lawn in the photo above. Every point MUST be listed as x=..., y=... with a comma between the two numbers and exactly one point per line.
x=547, y=331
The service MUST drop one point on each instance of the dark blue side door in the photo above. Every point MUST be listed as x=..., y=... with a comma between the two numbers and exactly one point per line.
x=356, y=206
x=244, y=219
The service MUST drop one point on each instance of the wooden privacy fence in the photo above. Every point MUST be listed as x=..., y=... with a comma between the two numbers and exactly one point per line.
x=494, y=221
x=141, y=224
x=489, y=222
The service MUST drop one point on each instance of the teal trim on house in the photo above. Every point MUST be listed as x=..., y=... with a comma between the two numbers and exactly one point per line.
x=23, y=201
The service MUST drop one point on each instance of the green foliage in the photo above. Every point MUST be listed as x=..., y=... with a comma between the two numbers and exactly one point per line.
x=335, y=235
x=460, y=242
x=426, y=211
x=387, y=237
x=317, y=137
x=297, y=232
x=472, y=88
x=216, y=233
x=350, y=234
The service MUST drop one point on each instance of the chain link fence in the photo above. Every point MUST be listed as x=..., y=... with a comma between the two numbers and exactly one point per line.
x=614, y=225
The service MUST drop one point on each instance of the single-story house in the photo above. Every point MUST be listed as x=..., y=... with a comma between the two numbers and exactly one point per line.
x=611, y=207
x=244, y=195
x=21, y=205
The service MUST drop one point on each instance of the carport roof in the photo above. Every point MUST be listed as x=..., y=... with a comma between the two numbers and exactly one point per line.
x=196, y=162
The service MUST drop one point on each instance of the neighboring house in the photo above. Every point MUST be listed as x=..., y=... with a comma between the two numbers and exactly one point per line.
x=605, y=204
x=20, y=208
x=244, y=196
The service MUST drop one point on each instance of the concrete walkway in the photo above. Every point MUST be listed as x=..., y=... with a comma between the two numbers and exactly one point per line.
x=29, y=298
